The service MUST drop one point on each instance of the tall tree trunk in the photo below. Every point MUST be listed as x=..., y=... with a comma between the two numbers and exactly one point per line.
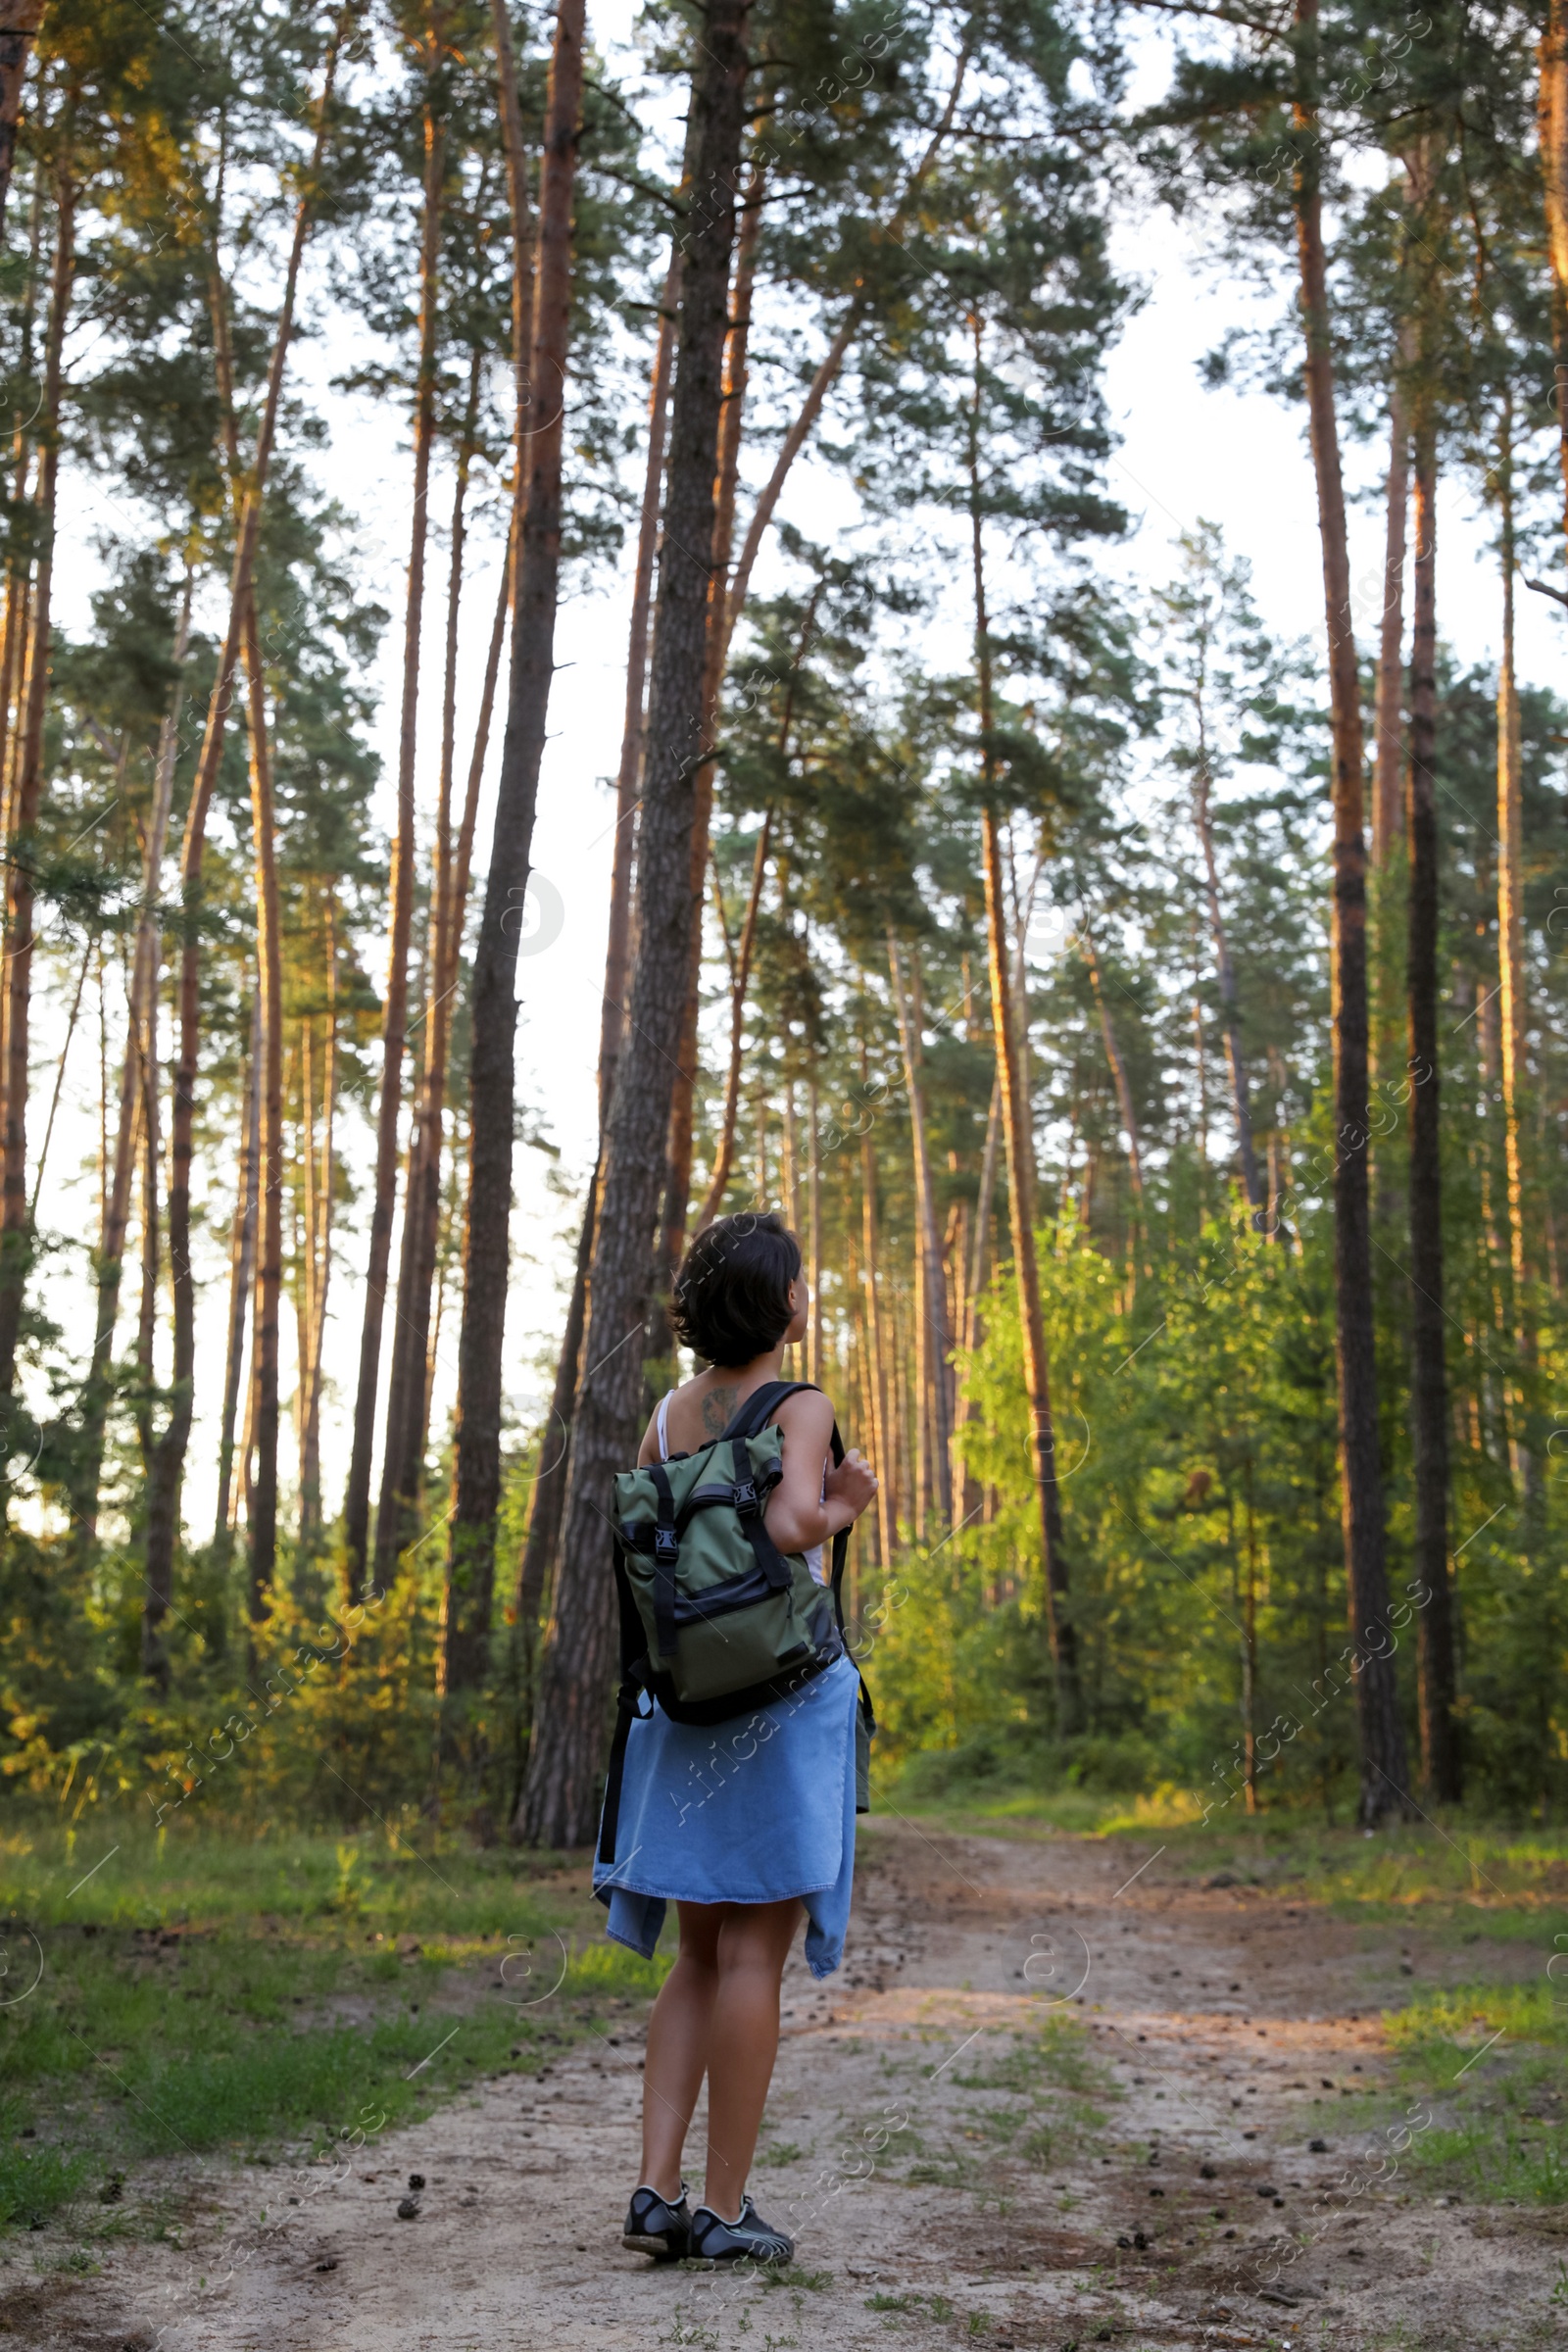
x=679, y=1179
x=729, y=604
x=1017, y=1125
x=550, y=1485
x=936, y=1337
x=1429, y=1379
x=15, y=1237
x=1511, y=1011
x=883, y=1449
x=320, y=1258
x=617, y=949
x=169, y=1461
x=1388, y=761
x=1382, y=1732
x=19, y=20
x=476, y=1480
x=560, y=1798
x=1552, y=125
x=242, y=1260
x=1241, y=1092
x=402, y=1451
x=156, y=1601
x=263, y=1522
x=395, y=1013
x=740, y=980
x=117, y=1188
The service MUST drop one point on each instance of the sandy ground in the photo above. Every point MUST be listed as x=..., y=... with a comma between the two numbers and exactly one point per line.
x=941, y=2192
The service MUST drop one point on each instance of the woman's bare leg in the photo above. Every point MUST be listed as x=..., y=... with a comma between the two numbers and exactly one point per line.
x=677, y=2045
x=754, y=1943
x=716, y=2013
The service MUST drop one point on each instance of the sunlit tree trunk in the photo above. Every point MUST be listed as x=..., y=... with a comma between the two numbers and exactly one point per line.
x=404, y=1444
x=476, y=1439
x=1017, y=1126
x=1511, y=1008
x=550, y=1484
x=320, y=1246
x=1551, y=124
x=561, y=1798
x=15, y=1239
x=884, y=1449
x=116, y=1186
x=1388, y=761
x=395, y=1010
x=678, y=1182
x=935, y=1349
x=1429, y=1379
x=1382, y=1732
x=242, y=1257
x=263, y=1522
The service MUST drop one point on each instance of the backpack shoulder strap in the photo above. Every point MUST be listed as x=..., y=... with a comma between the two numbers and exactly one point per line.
x=751, y=1417
x=754, y=1415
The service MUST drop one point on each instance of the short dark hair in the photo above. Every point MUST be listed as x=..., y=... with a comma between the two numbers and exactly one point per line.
x=732, y=1294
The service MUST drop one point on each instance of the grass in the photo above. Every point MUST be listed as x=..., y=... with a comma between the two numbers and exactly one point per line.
x=1485, y=2069
x=200, y=1993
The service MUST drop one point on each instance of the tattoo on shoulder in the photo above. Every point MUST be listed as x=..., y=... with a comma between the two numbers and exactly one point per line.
x=718, y=1409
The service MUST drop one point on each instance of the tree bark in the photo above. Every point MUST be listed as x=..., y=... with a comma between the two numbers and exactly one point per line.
x=1017, y=1125
x=1428, y=1378
x=395, y=1016
x=1389, y=759
x=117, y=1190
x=550, y=1484
x=163, y=1497
x=404, y=1444
x=678, y=1181
x=15, y=1236
x=560, y=1798
x=1551, y=122
x=19, y=20
x=1511, y=1009
x=263, y=1520
x=883, y=1449
x=477, y=1478
x=936, y=1338
x=1382, y=1732
x=617, y=950
x=242, y=1259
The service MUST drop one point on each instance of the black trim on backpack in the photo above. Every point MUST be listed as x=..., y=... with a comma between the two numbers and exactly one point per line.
x=638, y=1676
x=667, y=1552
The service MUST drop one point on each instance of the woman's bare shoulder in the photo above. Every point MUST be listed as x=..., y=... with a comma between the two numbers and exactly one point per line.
x=808, y=1412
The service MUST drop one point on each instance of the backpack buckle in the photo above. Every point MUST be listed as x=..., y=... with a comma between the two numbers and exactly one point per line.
x=667, y=1547
x=746, y=1505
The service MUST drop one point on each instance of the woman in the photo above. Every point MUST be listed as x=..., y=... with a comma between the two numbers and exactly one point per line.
x=744, y=1824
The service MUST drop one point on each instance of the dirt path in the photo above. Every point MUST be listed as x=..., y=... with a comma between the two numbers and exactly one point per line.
x=950, y=2176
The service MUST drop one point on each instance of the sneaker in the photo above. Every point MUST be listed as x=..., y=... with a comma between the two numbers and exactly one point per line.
x=655, y=2227
x=748, y=2239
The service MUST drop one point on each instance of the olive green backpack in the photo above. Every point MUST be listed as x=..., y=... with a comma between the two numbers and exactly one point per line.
x=716, y=1621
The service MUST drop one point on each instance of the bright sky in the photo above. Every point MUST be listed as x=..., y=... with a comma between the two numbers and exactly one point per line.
x=1235, y=458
